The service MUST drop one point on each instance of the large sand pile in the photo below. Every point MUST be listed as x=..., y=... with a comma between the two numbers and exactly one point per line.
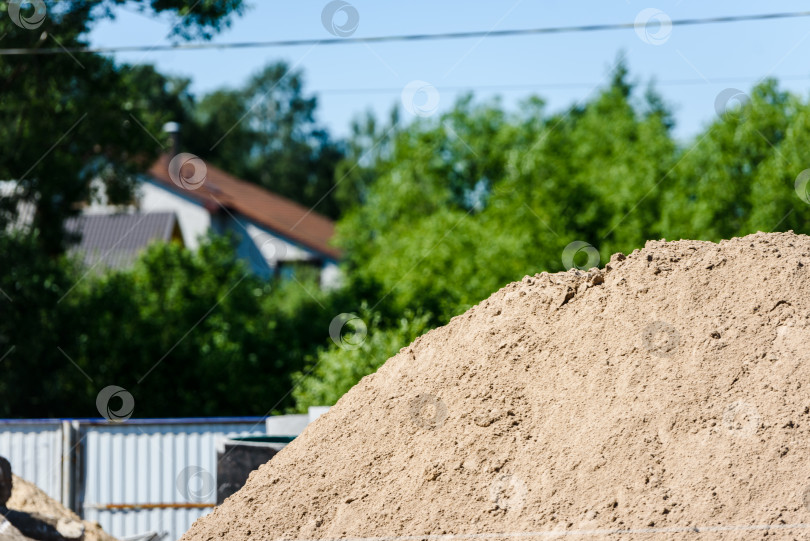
x=668, y=392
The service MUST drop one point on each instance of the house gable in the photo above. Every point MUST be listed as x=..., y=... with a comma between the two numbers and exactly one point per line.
x=273, y=232
x=221, y=192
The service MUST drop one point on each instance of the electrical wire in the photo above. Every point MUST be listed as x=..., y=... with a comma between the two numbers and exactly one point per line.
x=384, y=39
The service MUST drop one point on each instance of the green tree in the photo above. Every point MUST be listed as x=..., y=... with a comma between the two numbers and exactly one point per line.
x=368, y=143
x=267, y=133
x=477, y=197
x=200, y=321
x=216, y=131
x=187, y=334
x=716, y=188
x=335, y=369
x=31, y=328
x=67, y=119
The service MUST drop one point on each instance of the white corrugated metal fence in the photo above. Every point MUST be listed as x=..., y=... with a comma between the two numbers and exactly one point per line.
x=134, y=477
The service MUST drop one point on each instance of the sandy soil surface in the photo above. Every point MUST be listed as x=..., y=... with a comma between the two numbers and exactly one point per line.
x=28, y=497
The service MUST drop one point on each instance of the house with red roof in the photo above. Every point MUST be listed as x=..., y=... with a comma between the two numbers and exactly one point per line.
x=180, y=199
x=275, y=234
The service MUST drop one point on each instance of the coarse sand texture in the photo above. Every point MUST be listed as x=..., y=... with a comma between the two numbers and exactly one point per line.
x=667, y=394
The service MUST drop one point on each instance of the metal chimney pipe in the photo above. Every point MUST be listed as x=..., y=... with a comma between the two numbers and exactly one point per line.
x=173, y=129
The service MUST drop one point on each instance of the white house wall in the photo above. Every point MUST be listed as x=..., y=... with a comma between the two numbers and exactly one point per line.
x=193, y=218
x=331, y=277
x=274, y=248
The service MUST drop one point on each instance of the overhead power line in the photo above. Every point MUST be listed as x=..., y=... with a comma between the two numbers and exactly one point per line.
x=383, y=39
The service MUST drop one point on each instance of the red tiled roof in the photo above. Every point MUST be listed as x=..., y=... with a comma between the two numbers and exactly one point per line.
x=272, y=211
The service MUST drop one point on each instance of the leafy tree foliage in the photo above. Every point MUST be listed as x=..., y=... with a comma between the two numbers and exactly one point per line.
x=266, y=132
x=737, y=176
x=31, y=329
x=334, y=370
x=192, y=334
x=66, y=120
x=476, y=198
x=436, y=215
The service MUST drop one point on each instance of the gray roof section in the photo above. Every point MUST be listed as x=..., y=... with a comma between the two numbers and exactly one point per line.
x=115, y=240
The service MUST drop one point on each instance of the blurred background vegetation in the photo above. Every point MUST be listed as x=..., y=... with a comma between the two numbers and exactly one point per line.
x=434, y=215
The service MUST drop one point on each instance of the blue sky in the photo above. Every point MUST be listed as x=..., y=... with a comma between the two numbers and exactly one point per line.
x=350, y=78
